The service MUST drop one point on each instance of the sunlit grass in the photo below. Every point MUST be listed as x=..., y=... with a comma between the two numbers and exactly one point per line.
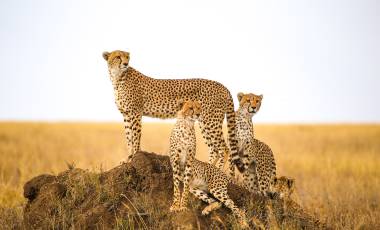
x=336, y=167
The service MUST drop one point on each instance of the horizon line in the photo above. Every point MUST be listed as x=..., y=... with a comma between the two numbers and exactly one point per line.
x=172, y=121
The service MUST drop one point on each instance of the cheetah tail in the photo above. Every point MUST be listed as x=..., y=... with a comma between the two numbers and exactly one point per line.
x=231, y=127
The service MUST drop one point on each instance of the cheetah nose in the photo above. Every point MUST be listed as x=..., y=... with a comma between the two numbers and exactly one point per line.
x=254, y=107
x=125, y=64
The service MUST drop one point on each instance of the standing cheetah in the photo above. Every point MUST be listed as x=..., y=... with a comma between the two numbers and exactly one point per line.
x=198, y=177
x=259, y=164
x=138, y=95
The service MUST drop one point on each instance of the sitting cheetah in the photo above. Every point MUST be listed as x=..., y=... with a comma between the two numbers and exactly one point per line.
x=289, y=214
x=284, y=186
x=198, y=177
x=257, y=157
x=182, y=150
x=138, y=95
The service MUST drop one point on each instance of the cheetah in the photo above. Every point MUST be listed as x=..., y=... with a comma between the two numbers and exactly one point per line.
x=258, y=159
x=137, y=95
x=284, y=186
x=199, y=178
x=289, y=214
x=182, y=150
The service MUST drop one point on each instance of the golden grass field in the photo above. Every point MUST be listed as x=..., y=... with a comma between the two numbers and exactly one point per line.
x=336, y=167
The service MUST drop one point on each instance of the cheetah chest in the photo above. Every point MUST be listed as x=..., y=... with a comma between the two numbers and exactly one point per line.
x=185, y=140
x=244, y=135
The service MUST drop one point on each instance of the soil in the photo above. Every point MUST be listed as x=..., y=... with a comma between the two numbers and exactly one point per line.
x=137, y=194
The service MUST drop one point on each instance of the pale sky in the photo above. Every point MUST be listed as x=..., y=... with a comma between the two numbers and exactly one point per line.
x=314, y=61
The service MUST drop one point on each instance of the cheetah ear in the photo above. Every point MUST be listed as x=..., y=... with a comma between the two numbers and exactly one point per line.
x=290, y=183
x=240, y=96
x=106, y=55
x=180, y=103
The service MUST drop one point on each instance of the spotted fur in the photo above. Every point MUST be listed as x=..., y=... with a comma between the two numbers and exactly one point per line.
x=182, y=151
x=257, y=157
x=137, y=95
x=199, y=178
x=284, y=186
x=288, y=213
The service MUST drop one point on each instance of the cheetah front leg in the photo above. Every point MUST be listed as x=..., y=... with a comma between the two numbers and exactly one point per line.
x=264, y=178
x=174, y=161
x=187, y=177
x=250, y=178
x=132, y=125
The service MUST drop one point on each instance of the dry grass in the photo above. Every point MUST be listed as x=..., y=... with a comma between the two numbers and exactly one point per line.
x=336, y=167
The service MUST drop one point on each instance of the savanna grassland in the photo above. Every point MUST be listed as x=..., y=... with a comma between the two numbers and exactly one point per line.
x=336, y=167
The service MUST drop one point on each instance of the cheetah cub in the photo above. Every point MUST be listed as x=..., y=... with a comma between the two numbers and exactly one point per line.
x=257, y=157
x=182, y=150
x=199, y=178
x=289, y=213
x=284, y=186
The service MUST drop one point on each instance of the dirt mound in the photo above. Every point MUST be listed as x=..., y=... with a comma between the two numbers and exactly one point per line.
x=133, y=195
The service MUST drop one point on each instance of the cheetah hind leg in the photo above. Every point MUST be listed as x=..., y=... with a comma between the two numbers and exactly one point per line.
x=202, y=195
x=132, y=125
x=212, y=133
x=223, y=151
x=224, y=198
x=223, y=159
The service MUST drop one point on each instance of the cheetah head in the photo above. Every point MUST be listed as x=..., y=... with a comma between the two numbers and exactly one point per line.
x=250, y=103
x=117, y=61
x=284, y=186
x=189, y=109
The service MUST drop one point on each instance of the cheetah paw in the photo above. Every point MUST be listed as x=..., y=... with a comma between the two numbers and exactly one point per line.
x=210, y=207
x=244, y=224
x=205, y=212
x=176, y=208
x=243, y=220
x=182, y=208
